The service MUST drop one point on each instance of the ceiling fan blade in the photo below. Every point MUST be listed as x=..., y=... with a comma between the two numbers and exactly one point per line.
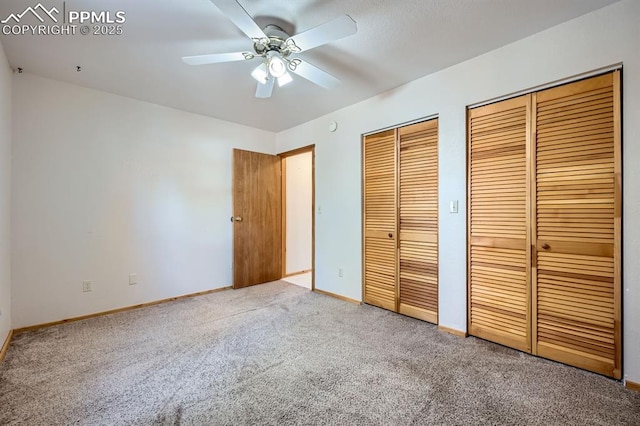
x=316, y=75
x=236, y=14
x=325, y=33
x=216, y=58
x=265, y=90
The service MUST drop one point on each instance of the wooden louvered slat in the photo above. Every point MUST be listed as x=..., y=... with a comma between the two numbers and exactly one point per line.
x=379, y=193
x=418, y=220
x=499, y=271
x=577, y=274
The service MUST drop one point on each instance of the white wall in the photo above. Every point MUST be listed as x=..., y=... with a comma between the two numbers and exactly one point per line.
x=5, y=197
x=299, y=169
x=604, y=37
x=104, y=186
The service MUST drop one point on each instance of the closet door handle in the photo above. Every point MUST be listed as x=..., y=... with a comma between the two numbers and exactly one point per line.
x=546, y=246
x=390, y=235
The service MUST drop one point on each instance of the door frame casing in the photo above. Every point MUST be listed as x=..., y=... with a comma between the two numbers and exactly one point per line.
x=283, y=156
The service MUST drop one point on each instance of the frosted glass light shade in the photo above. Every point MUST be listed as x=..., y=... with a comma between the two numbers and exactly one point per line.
x=277, y=67
x=260, y=73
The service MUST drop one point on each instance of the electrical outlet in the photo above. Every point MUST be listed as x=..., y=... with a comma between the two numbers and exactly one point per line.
x=86, y=286
x=340, y=272
x=133, y=279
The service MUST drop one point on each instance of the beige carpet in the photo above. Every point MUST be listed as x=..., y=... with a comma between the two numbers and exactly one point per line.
x=278, y=354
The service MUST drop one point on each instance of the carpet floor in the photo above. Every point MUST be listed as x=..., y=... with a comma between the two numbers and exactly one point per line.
x=278, y=354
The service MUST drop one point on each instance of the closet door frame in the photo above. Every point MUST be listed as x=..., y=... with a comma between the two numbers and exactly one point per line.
x=531, y=198
x=617, y=218
x=396, y=133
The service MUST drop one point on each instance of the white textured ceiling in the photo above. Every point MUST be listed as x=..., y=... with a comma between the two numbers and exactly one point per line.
x=397, y=41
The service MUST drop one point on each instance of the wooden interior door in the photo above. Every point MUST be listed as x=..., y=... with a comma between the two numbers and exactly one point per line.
x=499, y=233
x=257, y=222
x=379, y=221
x=418, y=220
x=578, y=212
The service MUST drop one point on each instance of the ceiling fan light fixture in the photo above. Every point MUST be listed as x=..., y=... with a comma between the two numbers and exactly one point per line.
x=277, y=66
x=284, y=79
x=260, y=73
x=274, y=47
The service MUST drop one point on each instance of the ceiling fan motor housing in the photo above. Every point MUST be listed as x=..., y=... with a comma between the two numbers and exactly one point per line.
x=275, y=41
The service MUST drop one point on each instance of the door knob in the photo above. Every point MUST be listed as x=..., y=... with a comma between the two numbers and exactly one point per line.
x=546, y=246
x=390, y=235
x=238, y=219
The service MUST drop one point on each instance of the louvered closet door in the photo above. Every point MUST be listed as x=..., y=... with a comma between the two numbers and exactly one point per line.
x=379, y=153
x=577, y=294
x=418, y=220
x=499, y=238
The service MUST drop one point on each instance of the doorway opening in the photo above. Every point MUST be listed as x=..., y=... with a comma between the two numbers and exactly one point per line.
x=298, y=219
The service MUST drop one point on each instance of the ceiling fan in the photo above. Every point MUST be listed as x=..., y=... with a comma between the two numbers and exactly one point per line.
x=277, y=50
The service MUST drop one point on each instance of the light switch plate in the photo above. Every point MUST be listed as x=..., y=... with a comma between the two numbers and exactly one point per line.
x=453, y=206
